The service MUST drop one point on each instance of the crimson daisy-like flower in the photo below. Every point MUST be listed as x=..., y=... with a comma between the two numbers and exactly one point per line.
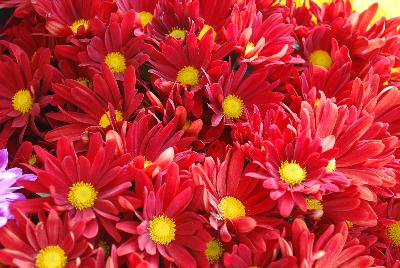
x=24, y=90
x=295, y=166
x=168, y=226
x=237, y=204
x=84, y=186
x=117, y=47
x=237, y=91
x=108, y=104
x=52, y=242
x=143, y=8
x=257, y=39
x=332, y=248
x=71, y=17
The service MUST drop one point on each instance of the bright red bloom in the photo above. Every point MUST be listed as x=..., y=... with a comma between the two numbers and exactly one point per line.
x=332, y=248
x=242, y=257
x=237, y=92
x=236, y=203
x=144, y=9
x=51, y=240
x=71, y=17
x=84, y=186
x=106, y=105
x=295, y=167
x=168, y=226
x=24, y=86
x=258, y=40
x=117, y=47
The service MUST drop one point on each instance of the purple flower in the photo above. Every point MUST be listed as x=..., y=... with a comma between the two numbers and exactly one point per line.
x=8, y=186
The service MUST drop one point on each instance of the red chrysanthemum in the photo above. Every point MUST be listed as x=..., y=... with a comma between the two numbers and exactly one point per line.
x=236, y=203
x=52, y=242
x=109, y=103
x=168, y=226
x=84, y=186
x=117, y=47
x=24, y=86
x=237, y=91
x=71, y=17
x=143, y=8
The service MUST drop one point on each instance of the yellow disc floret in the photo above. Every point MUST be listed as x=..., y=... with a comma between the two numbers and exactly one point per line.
x=105, y=121
x=393, y=233
x=22, y=101
x=145, y=18
x=51, y=257
x=292, y=173
x=78, y=23
x=188, y=76
x=116, y=62
x=205, y=30
x=331, y=167
x=321, y=58
x=178, y=33
x=82, y=195
x=162, y=230
x=232, y=106
x=231, y=208
x=314, y=204
x=84, y=81
x=214, y=251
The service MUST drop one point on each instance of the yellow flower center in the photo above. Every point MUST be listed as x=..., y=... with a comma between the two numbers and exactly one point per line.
x=232, y=106
x=231, y=208
x=22, y=101
x=116, y=62
x=82, y=195
x=188, y=76
x=32, y=160
x=105, y=121
x=316, y=102
x=292, y=173
x=314, y=204
x=331, y=167
x=78, y=23
x=349, y=224
x=299, y=3
x=214, y=251
x=162, y=230
x=249, y=47
x=145, y=18
x=321, y=58
x=147, y=163
x=205, y=29
x=84, y=81
x=51, y=257
x=106, y=247
x=178, y=33
x=393, y=233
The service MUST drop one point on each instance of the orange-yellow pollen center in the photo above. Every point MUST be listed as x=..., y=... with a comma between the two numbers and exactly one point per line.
x=214, y=251
x=231, y=208
x=82, y=195
x=314, y=204
x=145, y=18
x=188, y=76
x=78, y=23
x=116, y=62
x=178, y=33
x=51, y=257
x=232, y=107
x=393, y=233
x=162, y=230
x=22, y=101
x=321, y=58
x=292, y=173
x=105, y=121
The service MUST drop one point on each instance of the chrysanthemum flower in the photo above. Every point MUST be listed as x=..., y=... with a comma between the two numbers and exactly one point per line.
x=168, y=227
x=117, y=47
x=70, y=17
x=24, y=85
x=107, y=104
x=237, y=91
x=143, y=8
x=332, y=248
x=52, y=242
x=242, y=257
x=257, y=39
x=295, y=166
x=236, y=203
x=8, y=185
x=83, y=186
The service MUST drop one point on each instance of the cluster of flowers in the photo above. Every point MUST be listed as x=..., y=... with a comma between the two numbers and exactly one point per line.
x=200, y=133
